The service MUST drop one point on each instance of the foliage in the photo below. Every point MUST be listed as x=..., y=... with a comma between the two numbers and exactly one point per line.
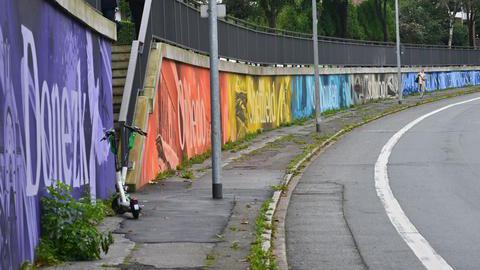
x=126, y=32
x=296, y=17
x=125, y=10
x=421, y=21
x=69, y=227
x=460, y=34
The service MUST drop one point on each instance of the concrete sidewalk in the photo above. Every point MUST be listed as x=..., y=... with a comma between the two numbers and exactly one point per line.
x=181, y=227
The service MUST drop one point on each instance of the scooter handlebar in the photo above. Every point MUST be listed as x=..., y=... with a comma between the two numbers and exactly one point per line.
x=108, y=134
x=136, y=130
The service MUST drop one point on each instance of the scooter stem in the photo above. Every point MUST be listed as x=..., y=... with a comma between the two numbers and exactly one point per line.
x=120, y=188
x=124, y=175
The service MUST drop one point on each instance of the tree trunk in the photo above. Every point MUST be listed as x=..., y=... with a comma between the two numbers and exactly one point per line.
x=474, y=35
x=344, y=18
x=271, y=21
x=382, y=15
x=450, y=30
x=384, y=21
x=471, y=32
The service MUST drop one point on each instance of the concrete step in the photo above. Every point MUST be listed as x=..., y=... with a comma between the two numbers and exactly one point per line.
x=115, y=117
x=117, y=100
x=121, y=49
x=116, y=57
x=118, y=91
x=118, y=82
x=119, y=73
x=119, y=65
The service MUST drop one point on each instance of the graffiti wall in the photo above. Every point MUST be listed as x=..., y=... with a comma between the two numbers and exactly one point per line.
x=180, y=123
x=373, y=86
x=335, y=93
x=251, y=103
x=55, y=101
x=440, y=80
x=179, y=126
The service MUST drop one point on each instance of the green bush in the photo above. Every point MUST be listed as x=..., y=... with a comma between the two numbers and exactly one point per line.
x=69, y=227
x=126, y=32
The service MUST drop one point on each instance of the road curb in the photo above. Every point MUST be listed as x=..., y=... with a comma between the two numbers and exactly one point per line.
x=297, y=171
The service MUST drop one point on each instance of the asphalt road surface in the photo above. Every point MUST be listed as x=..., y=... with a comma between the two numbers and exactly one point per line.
x=337, y=220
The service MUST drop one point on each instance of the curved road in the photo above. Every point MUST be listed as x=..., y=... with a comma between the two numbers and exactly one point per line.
x=336, y=220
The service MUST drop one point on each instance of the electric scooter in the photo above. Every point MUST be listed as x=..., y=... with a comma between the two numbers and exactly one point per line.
x=122, y=201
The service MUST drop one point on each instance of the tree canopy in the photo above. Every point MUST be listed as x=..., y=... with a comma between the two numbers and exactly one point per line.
x=421, y=21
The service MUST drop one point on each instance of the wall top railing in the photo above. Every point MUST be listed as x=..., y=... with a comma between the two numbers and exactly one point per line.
x=255, y=27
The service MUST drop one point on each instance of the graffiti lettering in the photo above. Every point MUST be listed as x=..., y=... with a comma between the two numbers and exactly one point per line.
x=54, y=105
x=52, y=124
x=374, y=86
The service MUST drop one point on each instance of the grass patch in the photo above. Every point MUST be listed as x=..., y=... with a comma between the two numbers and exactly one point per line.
x=282, y=188
x=258, y=258
x=241, y=144
x=163, y=175
x=199, y=159
x=330, y=112
x=187, y=174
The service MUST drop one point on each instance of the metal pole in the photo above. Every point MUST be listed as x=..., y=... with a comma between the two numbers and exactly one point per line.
x=318, y=114
x=214, y=102
x=399, y=64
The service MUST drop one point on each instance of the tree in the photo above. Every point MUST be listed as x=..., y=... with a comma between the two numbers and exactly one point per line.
x=452, y=7
x=471, y=8
x=240, y=9
x=425, y=22
x=381, y=10
x=271, y=9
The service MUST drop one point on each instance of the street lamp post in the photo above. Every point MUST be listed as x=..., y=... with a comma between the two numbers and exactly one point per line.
x=399, y=65
x=318, y=115
x=215, y=102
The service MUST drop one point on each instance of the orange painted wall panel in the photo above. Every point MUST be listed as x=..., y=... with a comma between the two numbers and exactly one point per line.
x=179, y=126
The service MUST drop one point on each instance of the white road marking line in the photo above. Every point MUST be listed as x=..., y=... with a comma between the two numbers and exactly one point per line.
x=417, y=243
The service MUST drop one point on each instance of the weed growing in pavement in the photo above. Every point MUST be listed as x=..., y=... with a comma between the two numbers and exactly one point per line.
x=258, y=258
x=235, y=245
x=282, y=188
x=187, y=174
x=163, y=175
x=235, y=146
x=199, y=159
x=210, y=259
x=69, y=229
x=307, y=149
x=332, y=111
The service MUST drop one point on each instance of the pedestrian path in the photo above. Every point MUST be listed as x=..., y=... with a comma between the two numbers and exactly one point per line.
x=181, y=227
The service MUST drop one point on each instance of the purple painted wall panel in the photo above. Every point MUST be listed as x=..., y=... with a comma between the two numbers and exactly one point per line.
x=55, y=101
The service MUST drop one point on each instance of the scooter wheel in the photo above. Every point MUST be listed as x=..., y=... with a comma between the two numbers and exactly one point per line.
x=135, y=213
x=116, y=207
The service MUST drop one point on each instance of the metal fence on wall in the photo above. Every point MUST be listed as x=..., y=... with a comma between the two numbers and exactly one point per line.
x=179, y=23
